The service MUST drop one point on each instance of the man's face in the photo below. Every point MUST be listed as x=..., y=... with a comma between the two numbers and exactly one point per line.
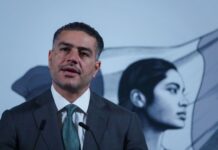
x=72, y=61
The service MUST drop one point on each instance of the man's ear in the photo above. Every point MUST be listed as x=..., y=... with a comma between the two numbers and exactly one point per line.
x=97, y=67
x=49, y=57
x=137, y=98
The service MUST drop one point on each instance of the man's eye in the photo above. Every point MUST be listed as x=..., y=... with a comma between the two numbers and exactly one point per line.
x=66, y=49
x=84, y=54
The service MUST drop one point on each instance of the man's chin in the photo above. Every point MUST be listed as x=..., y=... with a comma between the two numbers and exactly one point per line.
x=70, y=87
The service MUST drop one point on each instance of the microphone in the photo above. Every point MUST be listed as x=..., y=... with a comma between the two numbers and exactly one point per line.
x=84, y=126
x=40, y=129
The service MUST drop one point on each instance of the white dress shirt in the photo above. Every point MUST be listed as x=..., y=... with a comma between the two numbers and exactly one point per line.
x=79, y=116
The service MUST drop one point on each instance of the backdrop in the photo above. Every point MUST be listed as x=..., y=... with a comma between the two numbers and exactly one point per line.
x=184, y=33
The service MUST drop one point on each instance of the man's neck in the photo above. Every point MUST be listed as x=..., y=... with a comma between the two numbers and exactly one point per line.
x=70, y=95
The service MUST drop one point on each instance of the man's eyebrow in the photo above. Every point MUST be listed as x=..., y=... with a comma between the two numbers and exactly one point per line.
x=80, y=48
x=65, y=44
x=84, y=48
x=71, y=45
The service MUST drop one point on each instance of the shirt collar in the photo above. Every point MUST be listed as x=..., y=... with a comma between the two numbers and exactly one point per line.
x=82, y=102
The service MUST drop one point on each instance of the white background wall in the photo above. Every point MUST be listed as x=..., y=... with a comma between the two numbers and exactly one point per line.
x=27, y=28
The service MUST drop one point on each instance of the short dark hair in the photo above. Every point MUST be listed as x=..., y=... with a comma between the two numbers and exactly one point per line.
x=80, y=26
x=143, y=75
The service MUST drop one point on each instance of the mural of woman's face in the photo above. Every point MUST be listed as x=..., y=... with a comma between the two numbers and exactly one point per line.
x=168, y=108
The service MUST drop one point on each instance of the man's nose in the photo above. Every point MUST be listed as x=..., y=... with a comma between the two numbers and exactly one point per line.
x=73, y=56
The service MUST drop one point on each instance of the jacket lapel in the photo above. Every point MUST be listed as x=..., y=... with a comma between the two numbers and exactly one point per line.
x=47, y=111
x=96, y=120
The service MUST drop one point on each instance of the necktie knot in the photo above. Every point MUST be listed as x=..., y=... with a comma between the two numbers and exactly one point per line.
x=71, y=108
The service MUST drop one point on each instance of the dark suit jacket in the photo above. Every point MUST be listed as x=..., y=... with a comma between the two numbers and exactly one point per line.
x=114, y=127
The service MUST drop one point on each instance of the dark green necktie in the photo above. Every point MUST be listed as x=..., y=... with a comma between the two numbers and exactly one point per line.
x=70, y=134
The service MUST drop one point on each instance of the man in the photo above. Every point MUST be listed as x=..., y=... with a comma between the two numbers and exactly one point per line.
x=44, y=122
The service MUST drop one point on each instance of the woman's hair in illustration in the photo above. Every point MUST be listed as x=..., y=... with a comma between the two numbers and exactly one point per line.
x=143, y=75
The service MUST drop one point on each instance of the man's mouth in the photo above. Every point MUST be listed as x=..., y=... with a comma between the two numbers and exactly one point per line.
x=70, y=70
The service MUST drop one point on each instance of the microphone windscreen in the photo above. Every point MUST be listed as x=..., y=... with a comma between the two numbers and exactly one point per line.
x=83, y=125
